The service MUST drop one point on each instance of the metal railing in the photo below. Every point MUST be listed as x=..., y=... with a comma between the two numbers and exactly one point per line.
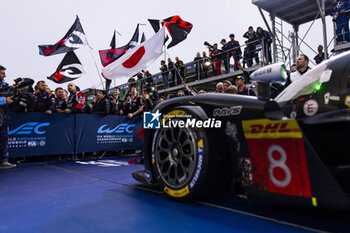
x=204, y=68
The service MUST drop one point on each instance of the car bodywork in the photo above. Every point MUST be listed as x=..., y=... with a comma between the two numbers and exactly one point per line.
x=292, y=149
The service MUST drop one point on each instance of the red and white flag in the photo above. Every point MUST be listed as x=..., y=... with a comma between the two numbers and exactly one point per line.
x=136, y=59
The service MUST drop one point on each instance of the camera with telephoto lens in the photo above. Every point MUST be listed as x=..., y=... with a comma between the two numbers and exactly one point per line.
x=17, y=83
x=210, y=47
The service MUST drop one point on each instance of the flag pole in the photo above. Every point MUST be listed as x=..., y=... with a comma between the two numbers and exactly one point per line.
x=93, y=58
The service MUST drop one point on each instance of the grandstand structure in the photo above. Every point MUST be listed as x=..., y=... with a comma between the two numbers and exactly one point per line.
x=285, y=46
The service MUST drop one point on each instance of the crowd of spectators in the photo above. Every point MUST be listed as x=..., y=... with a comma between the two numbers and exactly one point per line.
x=174, y=73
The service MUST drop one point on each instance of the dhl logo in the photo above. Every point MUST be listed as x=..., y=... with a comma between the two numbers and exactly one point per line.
x=265, y=128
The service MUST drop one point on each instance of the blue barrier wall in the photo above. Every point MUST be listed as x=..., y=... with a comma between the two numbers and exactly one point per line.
x=34, y=134
x=107, y=133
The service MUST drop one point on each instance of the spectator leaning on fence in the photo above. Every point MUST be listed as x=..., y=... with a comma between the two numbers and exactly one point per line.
x=101, y=103
x=265, y=40
x=5, y=99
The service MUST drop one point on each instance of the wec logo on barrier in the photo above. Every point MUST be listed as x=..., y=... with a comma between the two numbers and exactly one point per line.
x=29, y=128
x=121, y=128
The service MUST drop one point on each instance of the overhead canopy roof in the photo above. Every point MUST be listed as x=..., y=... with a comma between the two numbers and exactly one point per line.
x=295, y=12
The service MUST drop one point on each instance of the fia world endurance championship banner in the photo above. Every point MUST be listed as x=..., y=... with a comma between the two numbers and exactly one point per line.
x=36, y=133
x=107, y=133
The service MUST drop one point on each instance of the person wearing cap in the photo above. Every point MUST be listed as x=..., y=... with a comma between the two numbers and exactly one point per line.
x=226, y=55
x=236, y=51
x=242, y=89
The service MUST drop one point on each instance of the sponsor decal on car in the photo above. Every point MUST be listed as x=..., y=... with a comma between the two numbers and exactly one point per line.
x=227, y=111
x=200, y=149
x=310, y=107
x=177, y=193
x=264, y=128
x=278, y=157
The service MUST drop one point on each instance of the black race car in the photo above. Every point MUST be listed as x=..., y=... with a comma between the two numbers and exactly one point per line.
x=291, y=149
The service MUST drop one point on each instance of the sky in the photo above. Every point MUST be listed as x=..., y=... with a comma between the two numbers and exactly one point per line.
x=27, y=24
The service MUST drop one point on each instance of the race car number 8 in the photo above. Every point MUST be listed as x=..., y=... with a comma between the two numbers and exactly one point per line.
x=278, y=163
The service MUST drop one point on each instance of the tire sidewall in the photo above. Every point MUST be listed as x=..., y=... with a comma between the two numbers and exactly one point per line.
x=195, y=184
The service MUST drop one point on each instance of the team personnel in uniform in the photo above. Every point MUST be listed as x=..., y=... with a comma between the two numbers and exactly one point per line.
x=60, y=101
x=43, y=102
x=133, y=104
x=341, y=20
x=76, y=101
x=5, y=100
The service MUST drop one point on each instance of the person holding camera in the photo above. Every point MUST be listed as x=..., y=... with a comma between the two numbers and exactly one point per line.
x=342, y=21
x=22, y=100
x=5, y=99
x=215, y=54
